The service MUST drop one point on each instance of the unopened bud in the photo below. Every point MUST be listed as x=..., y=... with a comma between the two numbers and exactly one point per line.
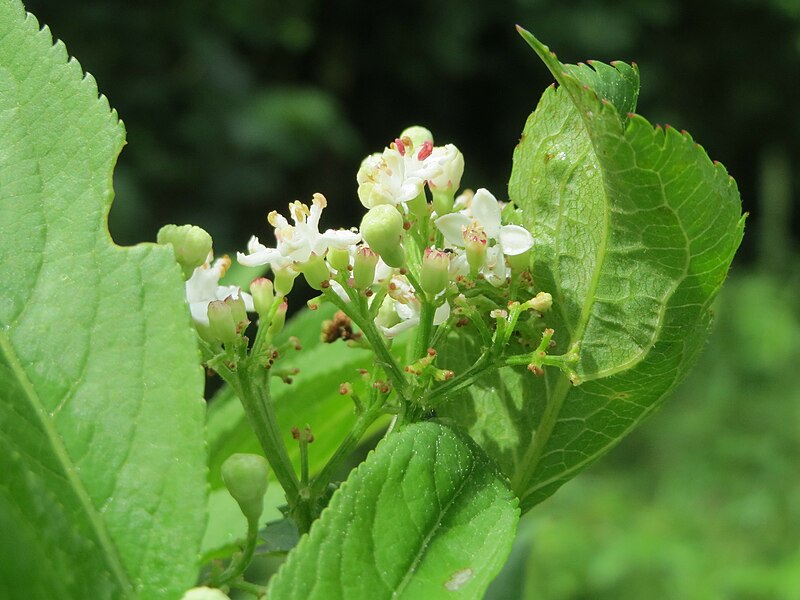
x=418, y=135
x=279, y=320
x=245, y=476
x=364, y=267
x=263, y=293
x=338, y=258
x=434, y=274
x=315, y=271
x=542, y=302
x=220, y=320
x=191, y=245
x=204, y=593
x=238, y=312
x=452, y=162
x=382, y=228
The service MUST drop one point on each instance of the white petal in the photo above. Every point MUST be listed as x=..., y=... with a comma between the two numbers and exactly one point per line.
x=341, y=238
x=452, y=226
x=409, y=189
x=199, y=311
x=262, y=257
x=442, y=314
x=337, y=287
x=396, y=330
x=515, y=239
x=486, y=211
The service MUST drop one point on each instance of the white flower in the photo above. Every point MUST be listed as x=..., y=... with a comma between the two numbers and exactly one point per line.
x=403, y=309
x=296, y=243
x=397, y=175
x=483, y=213
x=203, y=287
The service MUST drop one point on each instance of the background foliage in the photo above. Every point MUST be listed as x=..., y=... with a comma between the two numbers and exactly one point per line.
x=234, y=109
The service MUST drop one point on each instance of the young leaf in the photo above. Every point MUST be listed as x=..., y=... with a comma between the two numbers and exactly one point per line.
x=101, y=413
x=426, y=516
x=635, y=229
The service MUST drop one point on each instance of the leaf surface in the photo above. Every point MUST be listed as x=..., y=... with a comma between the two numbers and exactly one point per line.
x=635, y=229
x=426, y=516
x=101, y=412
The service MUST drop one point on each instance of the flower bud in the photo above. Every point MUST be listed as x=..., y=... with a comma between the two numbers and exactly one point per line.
x=338, y=258
x=190, y=243
x=475, y=242
x=452, y=162
x=220, y=319
x=418, y=135
x=542, y=302
x=278, y=320
x=434, y=274
x=205, y=593
x=315, y=271
x=382, y=228
x=263, y=293
x=364, y=267
x=245, y=476
x=238, y=312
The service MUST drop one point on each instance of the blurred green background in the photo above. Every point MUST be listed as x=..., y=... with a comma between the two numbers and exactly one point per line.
x=235, y=108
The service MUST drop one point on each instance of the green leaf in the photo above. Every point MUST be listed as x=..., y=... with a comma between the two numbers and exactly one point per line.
x=101, y=412
x=426, y=516
x=635, y=229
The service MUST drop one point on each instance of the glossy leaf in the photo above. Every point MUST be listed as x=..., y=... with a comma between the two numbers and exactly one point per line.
x=101, y=412
x=635, y=229
x=426, y=516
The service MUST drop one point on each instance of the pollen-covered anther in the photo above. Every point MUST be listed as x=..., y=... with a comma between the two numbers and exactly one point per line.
x=345, y=389
x=426, y=150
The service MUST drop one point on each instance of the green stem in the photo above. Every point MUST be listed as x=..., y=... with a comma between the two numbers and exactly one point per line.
x=257, y=406
x=384, y=358
x=241, y=561
x=423, y=340
x=259, y=591
x=463, y=379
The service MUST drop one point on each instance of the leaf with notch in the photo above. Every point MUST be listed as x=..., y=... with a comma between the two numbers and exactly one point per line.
x=101, y=412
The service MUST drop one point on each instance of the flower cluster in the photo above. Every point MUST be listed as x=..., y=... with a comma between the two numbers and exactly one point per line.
x=418, y=243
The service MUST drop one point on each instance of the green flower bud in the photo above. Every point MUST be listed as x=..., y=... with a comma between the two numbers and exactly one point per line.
x=220, y=320
x=279, y=320
x=205, y=593
x=435, y=271
x=190, y=243
x=364, y=267
x=382, y=228
x=238, y=312
x=263, y=293
x=315, y=271
x=245, y=476
x=338, y=258
x=418, y=135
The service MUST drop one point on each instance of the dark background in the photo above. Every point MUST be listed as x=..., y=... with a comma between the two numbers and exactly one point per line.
x=236, y=108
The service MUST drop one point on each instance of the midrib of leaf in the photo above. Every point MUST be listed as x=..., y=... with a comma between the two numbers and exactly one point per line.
x=437, y=525
x=110, y=552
